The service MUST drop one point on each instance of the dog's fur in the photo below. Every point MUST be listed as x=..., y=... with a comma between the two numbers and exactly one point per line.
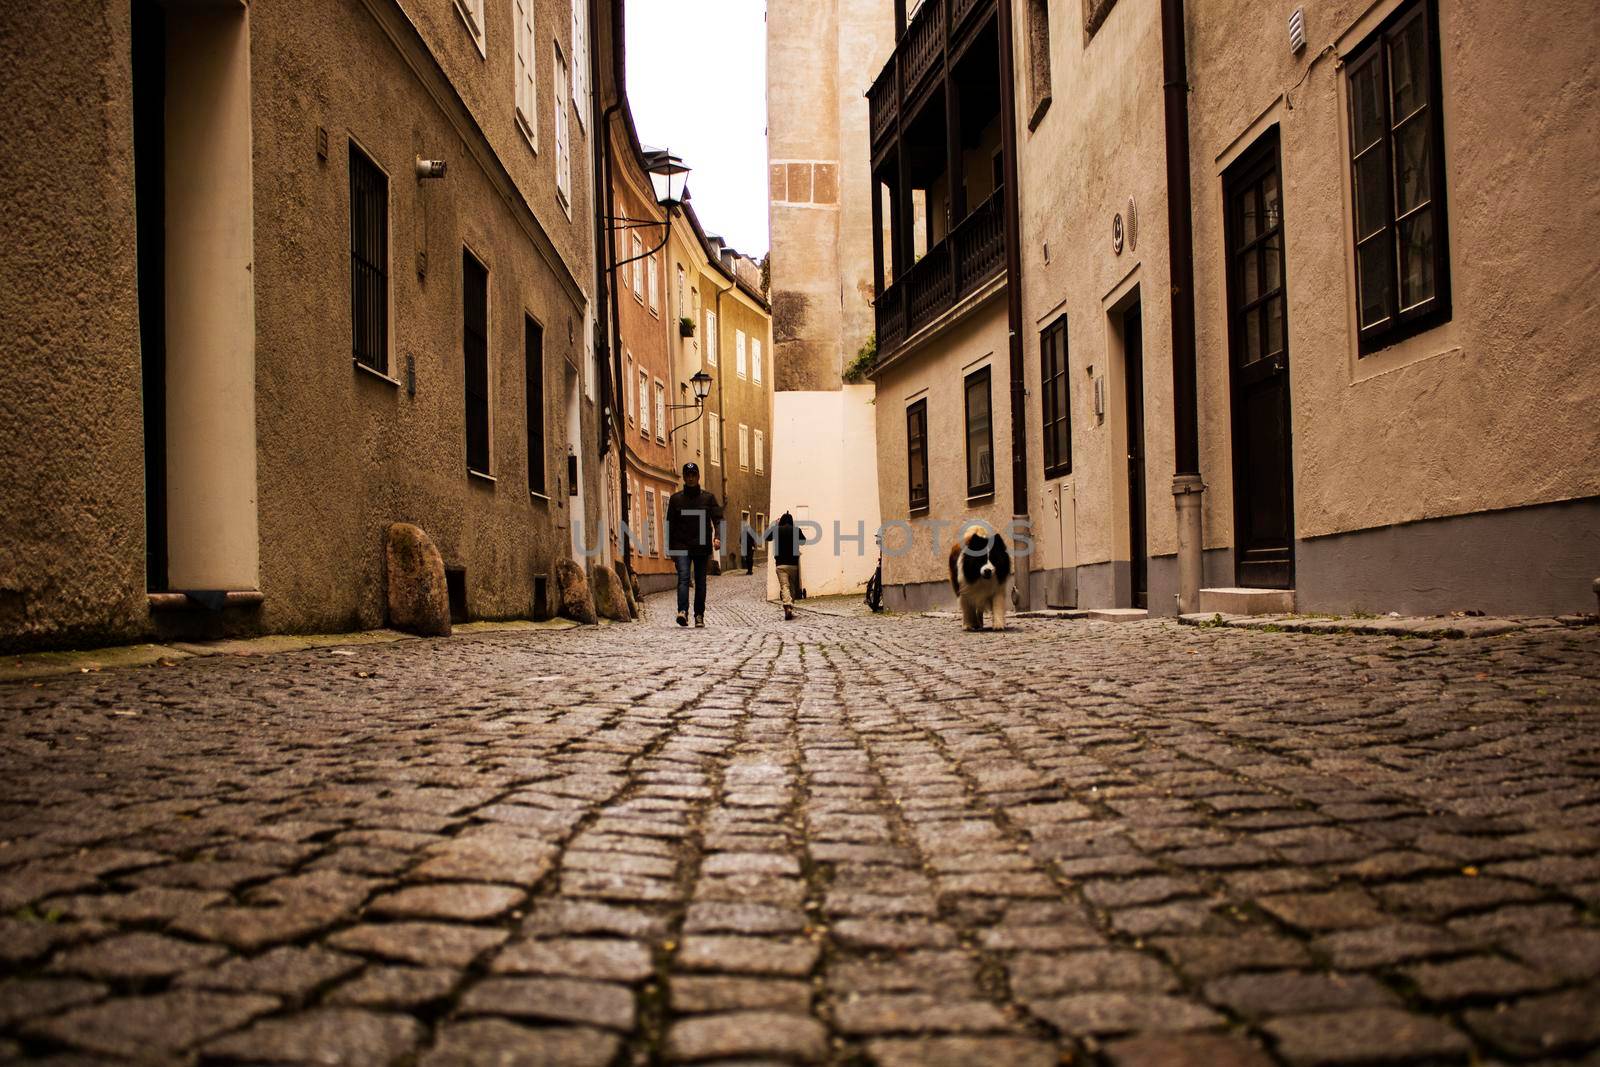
x=980, y=566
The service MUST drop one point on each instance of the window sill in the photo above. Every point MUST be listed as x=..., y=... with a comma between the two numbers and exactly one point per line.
x=526, y=129
x=917, y=510
x=378, y=374
x=1038, y=112
x=983, y=496
x=487, y=479
x=472, y=29
x=538, y=496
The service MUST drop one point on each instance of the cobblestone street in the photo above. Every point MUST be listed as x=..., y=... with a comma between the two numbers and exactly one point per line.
x=846, y=840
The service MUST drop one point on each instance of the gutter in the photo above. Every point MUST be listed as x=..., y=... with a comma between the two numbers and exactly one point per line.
x=1187, y=488
x=1019, y=436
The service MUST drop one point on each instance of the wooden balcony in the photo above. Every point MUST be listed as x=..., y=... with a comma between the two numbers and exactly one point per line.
x=955, y=268
x=939, y=32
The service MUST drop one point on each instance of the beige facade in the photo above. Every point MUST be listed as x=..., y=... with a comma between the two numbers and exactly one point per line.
x=722, y=326
x=279, y=459
x=1418, y=437
x=820, y=60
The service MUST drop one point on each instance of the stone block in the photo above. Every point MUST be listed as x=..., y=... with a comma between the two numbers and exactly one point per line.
x=572, y=592
x=609, y=600
x=418, y=600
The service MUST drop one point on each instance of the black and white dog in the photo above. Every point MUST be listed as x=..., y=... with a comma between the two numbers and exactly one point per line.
x=979, y=569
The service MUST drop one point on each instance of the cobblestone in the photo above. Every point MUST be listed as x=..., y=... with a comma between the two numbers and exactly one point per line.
x=844, y=839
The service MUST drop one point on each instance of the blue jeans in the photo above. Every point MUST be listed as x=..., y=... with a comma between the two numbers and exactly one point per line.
x=685, y=563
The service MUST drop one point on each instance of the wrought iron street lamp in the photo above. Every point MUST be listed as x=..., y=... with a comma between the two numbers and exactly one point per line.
x=700, y=382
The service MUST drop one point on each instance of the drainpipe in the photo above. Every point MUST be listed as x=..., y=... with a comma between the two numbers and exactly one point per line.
x=1019, y=434
x=722, y=419
x=1187, y=488
x=602, y=131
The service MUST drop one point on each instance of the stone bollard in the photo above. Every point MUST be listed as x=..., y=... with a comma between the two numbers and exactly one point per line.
x=573, y=594
x=625, y=579
x=1597, y=597
x=418, y=599
x=609, y=601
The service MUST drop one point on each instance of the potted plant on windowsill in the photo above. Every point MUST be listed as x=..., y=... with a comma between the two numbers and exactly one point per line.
x=686, y=327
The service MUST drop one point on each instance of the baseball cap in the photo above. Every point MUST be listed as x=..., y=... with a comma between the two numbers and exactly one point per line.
x=691, y=468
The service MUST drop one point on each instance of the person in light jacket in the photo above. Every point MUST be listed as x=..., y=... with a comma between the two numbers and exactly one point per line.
x=786, y=540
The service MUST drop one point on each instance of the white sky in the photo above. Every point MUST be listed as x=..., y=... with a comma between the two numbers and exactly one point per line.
x=697, y=81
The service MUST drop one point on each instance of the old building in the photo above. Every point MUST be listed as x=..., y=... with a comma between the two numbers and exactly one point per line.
x=944, y=370
x=1306, y=334
x=645, y=380
x=820, y=60
x=280, y=275
x=1394, y=400
x=722, y=326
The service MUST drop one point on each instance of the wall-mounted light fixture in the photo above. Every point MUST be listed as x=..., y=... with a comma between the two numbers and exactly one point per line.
x=430, y=168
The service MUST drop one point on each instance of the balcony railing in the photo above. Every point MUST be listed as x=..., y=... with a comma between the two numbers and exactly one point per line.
x=923, y=42
x=883, y=103
x=955, y=268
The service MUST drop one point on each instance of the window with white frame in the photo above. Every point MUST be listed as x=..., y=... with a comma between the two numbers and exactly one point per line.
x=527, y=87
x=649, y=522
x=563, y=134
x=626, y=392
x=654, y=282
x=580, y=62
x=471, y=12
x=644, y=404
x=744, y=447
x=638, y=269
x=661, y=411
x=714, y=431
x=711, y=337
x=681, y=309
x=756, y=362
x=740, y=356
x=761, y=451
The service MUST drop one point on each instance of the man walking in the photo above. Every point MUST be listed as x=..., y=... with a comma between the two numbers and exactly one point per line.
x=693, y=519
x=787, y=539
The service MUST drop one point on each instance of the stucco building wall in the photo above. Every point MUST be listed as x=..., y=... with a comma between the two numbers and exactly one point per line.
x=339, y=453
x=71, y=453
x=1099, y=144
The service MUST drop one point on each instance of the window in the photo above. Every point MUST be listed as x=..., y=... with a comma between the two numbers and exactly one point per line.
x=980, y=439
x=740, y=362
x=533, y=370
x=626, y=392
x=761, y=451
x=714, y=429
x=761, y=525
x=661, y=411
x=369, y=263
x=580, y=62
x=682, y=311
x=475, y=350
x=711, y=337
x=917, y=454
x=644, y=404
x=1038, y=59
x=638, y=269
x=649, y=522
x=527, y=94
x=1397, y=179
x=755, y=360
x=471, y=12
x=650, y=264
x=744, y=447
x=1254, y=229
x=563, y=135
x=1056, y=398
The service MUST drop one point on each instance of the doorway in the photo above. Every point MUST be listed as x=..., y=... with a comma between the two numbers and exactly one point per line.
x=1133, y=392
x=1263, y=497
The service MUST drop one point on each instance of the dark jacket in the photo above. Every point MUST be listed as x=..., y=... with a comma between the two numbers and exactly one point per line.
x=693, y=517
x=786, y=540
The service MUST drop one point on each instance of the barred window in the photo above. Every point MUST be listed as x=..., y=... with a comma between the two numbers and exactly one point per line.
x=980, y=435
x=369, y=262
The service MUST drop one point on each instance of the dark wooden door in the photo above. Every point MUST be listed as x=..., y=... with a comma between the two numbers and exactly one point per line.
x=1263, y=504
x=1133, y=378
